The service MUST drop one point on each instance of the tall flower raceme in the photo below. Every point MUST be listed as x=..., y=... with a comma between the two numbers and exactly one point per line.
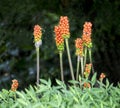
x=79, y=53
x=14, y=85
x=64, y=26
x=60, y=46
x=87, y=31
x=79, y=47
x=38, y=42
x=59, y=39
x=87, y=70
x=37, y=35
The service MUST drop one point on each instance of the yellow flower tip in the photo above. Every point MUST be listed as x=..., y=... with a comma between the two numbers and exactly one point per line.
x=37, y=33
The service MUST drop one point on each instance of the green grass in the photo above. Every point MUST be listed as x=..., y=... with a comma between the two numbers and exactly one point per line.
x=72, y=95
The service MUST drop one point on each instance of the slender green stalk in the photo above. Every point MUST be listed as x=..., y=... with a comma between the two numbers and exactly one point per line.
x=82, y=68
x=90, y=57
x=61, y=66
x=38, y=64
x=69, y=58
x=78, y=66
x=15, y=96
x=85, y=56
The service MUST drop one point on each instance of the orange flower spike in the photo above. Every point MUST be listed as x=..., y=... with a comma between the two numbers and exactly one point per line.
x=87, y=69
x=64, y=25
x=59, y=39
x=14, y=85
x=79, y=46
x=37, y=33
x=87, y=28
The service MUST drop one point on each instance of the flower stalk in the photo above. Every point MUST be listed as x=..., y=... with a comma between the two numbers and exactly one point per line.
x=61, y=66
x=90, y=57
x=69, y=58
x=38, y=42
x=78, y=67
x=85, y=57
x=38, y=64
x=82, y=68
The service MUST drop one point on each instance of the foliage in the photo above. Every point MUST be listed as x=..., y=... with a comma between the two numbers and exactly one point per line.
x=73, y=95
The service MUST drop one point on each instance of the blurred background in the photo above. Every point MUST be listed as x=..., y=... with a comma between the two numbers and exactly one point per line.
x=17, y=51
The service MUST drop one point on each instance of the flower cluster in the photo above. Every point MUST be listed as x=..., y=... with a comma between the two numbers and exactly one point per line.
x=102, y=76
x=87, y=28
x=87, y=70
x=14, y=85
x=59, y=39
x=64, y=25
x=79, y=47
x=37, y=35
x=86, y=85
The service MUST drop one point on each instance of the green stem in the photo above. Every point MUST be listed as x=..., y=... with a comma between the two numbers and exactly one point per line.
x=82, y=69
x=90, y=57
x=69, y=58
x=78, y=66
x=61, y=66
x=15, y=96
x=38, y=67
x=85, y=56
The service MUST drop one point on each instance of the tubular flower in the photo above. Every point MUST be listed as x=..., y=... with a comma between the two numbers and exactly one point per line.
x=59, y=39
x=87, y=28
x=87, y=69
x=14, y=85
x=37, y=35
x=79, y=46
x=64, y=25
x=102, y=76
x=87, y=85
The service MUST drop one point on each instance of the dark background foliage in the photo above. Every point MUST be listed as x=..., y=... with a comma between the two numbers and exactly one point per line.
x=17, y=51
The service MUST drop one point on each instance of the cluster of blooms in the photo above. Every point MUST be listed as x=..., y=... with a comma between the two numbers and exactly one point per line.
x=14, y=85
x=79, y=47
x=59, y=39
x=86, y=85
x=62, y=32
x=102, y=76
x=37, y=33
x=64, y=25
x=87, y=28
x=87, y=70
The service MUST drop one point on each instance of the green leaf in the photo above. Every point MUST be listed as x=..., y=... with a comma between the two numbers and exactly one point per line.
x=20, y=94
x=23, y=102
x=59, y=82
x=93, y=80
x=32, y=95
